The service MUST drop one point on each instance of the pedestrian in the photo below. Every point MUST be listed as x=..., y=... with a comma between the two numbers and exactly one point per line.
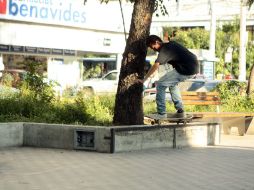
x=184, y=66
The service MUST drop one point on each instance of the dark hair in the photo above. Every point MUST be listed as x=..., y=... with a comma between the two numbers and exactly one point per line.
x=152, y=39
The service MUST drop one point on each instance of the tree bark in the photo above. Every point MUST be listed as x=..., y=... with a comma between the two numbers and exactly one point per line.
x=128, y=103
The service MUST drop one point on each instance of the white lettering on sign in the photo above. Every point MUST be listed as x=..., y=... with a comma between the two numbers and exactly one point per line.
x=46, y=11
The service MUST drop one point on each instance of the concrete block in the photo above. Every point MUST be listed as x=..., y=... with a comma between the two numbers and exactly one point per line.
x=140, y=138
x=197, y=135
x=48, y=135
x=11, y=134
x=109, y=139
x=250, y=126
x=229, y=123
x=100, y=138
x=104, y=139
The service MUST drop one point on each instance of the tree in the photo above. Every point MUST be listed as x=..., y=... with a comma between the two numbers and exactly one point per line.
x=227, y=36
x=250, y=88
x=128, y=102
x=250, y=2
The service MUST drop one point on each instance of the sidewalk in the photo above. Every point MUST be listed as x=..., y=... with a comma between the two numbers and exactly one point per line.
x=229, y=166
x=237, y=141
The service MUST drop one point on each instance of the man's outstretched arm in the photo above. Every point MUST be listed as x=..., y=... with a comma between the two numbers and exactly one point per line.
x=150, y=72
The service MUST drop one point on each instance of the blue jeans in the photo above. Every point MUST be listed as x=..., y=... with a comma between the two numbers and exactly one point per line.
x=170, y=80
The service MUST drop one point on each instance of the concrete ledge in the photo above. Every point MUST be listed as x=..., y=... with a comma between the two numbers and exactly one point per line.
x=11, y=134
x=197, y=134
x=109, y=139
x=48, y=135
x=100, y=141
x=142, y=137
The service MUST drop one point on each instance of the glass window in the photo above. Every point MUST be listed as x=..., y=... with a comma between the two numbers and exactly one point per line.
x=110, y=76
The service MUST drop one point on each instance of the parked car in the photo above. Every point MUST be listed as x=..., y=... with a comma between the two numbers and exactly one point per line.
x=198, y=85
x=107, y=84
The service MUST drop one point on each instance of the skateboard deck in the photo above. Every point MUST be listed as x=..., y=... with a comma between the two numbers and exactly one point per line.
x=171, y=118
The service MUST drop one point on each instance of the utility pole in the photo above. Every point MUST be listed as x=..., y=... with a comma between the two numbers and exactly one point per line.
x=178, y=8
x=243, y=40
x=212, y=30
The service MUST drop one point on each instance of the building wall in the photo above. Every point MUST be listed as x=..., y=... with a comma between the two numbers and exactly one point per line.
x=62, y=32
x=68, y=30
x=188, y=13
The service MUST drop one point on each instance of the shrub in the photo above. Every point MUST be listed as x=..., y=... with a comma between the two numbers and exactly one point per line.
x=233, y=96
x=98, y=110
x=7, y=79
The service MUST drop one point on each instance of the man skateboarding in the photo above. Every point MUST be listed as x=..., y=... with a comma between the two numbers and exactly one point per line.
x=185, y=66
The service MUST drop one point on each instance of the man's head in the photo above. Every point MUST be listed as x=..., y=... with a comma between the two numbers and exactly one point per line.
x=154, y=42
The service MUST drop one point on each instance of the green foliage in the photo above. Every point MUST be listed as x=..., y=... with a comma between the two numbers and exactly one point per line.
x=7, y=92
x=161, y=8
x=98, y=110
x=69, y=112
x=92, y=72
x=231, y=88
x=149, y=107
x=25, y=107
x=234, y=98
x=94, y=110
x=34, y=85
x=35, y=102
x=69, y=92
x=183, y=38
x=7, y=79
x=108, y=101
x=196, y=38
x=249, y=57
x=227, y=36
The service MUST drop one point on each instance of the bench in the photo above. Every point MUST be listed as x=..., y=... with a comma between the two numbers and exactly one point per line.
x=227, y=119
x=201, y=98
x=242, y=120
x=194, y=98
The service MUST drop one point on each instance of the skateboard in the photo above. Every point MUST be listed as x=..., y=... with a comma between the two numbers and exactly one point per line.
x=171, y=118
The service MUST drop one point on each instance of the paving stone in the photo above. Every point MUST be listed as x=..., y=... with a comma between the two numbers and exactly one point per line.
x=223, y=167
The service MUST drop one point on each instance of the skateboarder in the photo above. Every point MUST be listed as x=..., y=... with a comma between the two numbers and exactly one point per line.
x=185, y=66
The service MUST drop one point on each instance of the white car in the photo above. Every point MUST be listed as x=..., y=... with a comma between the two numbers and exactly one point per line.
x=107, y=84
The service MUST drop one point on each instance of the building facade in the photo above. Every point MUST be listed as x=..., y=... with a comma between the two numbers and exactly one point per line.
x=60, y=32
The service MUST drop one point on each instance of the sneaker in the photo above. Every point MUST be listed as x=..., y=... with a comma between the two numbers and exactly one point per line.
x=180, y=110
x=160, y=116
x=180, y=113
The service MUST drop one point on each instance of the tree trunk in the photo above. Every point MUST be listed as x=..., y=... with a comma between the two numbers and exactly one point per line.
x=250, y=88
x=128, y=102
